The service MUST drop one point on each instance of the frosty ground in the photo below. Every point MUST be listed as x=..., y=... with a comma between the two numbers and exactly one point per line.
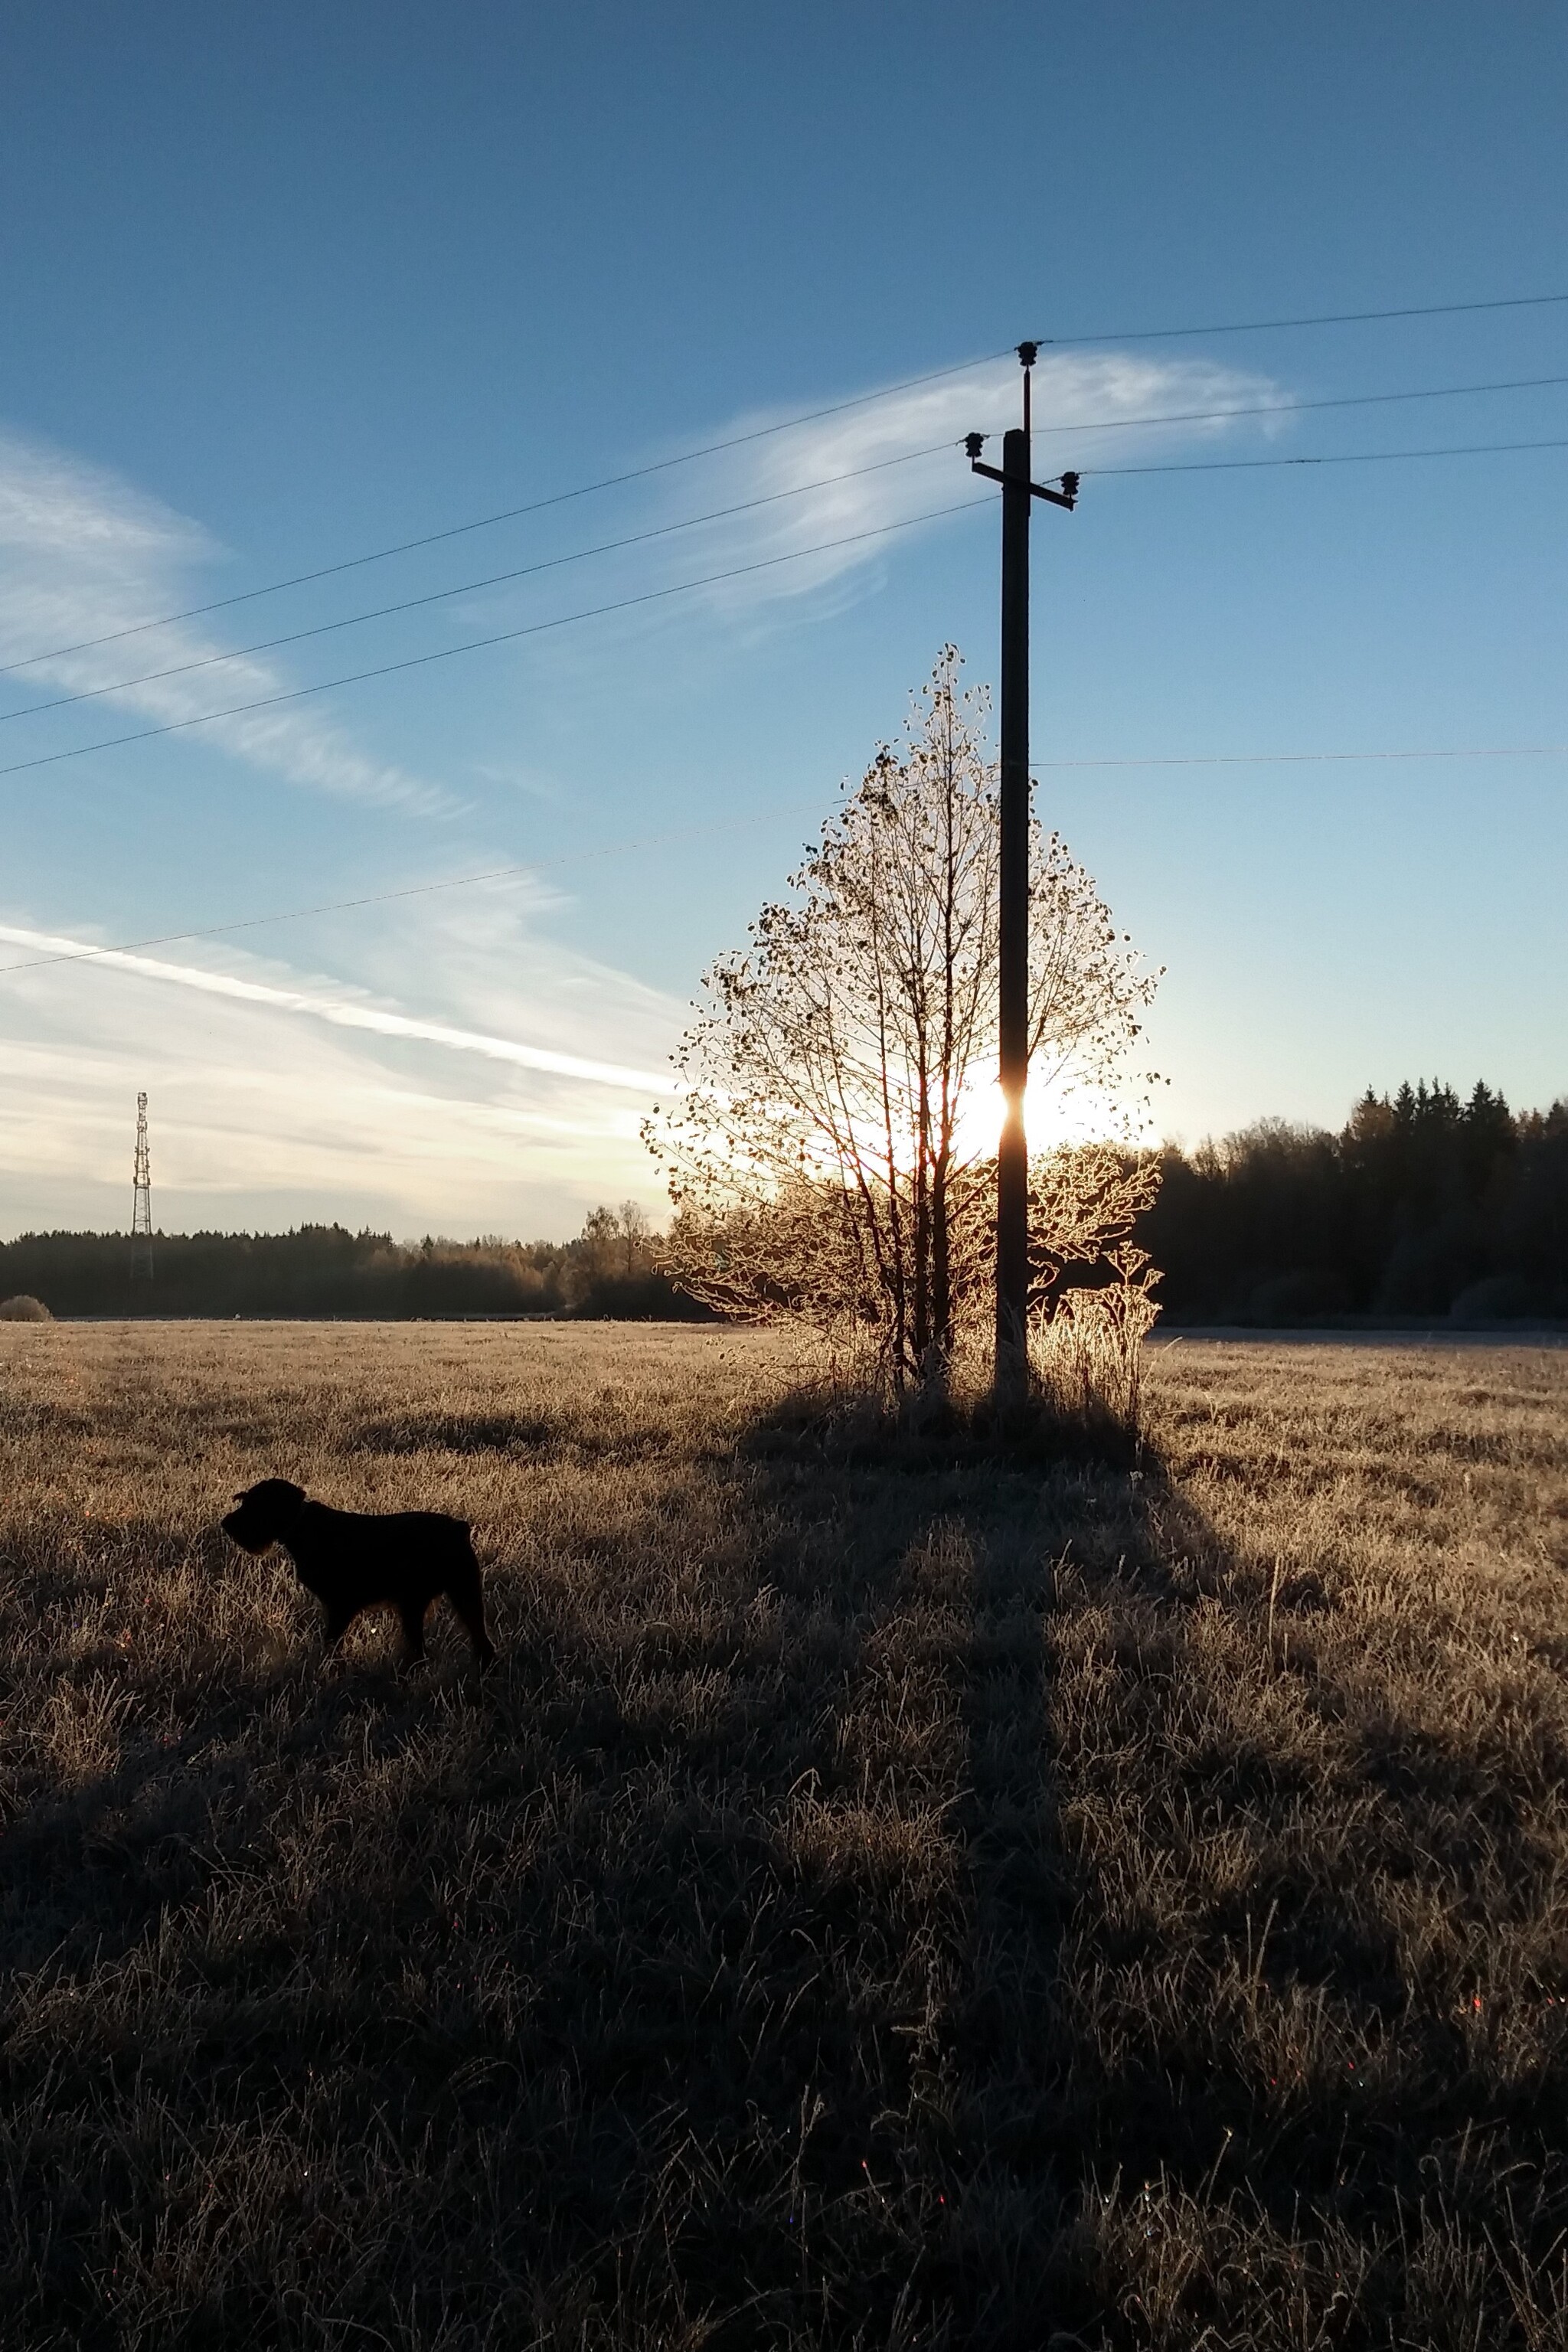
x=883, y=1895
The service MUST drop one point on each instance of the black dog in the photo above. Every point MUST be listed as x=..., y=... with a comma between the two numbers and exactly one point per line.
x=355, y=1559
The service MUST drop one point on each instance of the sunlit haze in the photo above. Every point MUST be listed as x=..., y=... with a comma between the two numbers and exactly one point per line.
x=285, y=289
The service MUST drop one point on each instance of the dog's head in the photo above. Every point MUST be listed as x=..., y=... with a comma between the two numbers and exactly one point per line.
x=266, y=1514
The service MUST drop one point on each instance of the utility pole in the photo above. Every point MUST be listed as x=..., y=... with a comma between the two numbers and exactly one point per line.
x=142, y=1202
x=1010, y=1387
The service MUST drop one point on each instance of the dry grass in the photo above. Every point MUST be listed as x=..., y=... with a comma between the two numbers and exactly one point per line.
x=879, y=1898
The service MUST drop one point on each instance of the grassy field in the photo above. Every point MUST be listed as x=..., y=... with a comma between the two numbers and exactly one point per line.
x=879, y=1897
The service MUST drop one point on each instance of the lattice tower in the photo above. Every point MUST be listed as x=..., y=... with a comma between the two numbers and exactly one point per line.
x=142, y=1202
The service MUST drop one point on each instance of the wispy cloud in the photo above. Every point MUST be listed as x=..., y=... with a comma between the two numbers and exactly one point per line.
x=342, y=1012
x=279, y=1095
x=1088, y=409
x=82, y=555
x=455, y=1066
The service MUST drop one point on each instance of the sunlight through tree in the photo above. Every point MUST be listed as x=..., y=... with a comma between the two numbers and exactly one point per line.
x=831, y=1149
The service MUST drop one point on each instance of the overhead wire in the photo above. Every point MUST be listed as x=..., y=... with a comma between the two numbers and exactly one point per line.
x=1294, y=407
x=505, y=514
x=1305, y=759
x=500, y=638
x=1343, y=457
x=471, y=587
x=535, y=867
x=772, y=498
x=531, y=866
x=411, y=890
x=763, y=432
x=736, y=572
x=1321, y=318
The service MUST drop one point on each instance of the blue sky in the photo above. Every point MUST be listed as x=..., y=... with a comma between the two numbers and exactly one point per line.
x=280, y=286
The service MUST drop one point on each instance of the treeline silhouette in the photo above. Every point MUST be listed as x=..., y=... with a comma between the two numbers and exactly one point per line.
x=1422, y=1206
x=608, y=1269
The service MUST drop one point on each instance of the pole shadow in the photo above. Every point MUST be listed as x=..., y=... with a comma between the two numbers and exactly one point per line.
x=877, y=1900
x=1205, y=2055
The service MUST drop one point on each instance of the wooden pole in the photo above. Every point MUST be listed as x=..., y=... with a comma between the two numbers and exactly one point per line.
x=1012, y=1372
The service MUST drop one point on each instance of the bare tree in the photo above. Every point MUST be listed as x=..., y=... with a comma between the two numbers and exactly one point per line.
x=636, y=1238
x=831, y=1146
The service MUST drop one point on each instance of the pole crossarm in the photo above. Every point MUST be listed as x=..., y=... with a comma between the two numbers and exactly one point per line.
x=1066, y=497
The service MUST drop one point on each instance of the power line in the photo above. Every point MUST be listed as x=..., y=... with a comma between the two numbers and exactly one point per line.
x=1294, y=759
x=736, y=572
x=1352, y=457
x=500, y=637
x=763, y=432
x=505, y=514
x=1293, y=407
x=413, y=890
x=705, y=830
x=1324, y=319
x=470, y=587
x=748, y=506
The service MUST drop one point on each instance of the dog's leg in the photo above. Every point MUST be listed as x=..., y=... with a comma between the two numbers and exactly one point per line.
x=413, y=1634
x=337, y=1626
x=465, y=1593
x=472, y=1619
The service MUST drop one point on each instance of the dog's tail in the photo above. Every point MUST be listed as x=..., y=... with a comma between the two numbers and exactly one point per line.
x=464, y=1590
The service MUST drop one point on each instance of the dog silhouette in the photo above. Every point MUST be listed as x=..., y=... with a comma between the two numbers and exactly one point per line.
x=353, y=1561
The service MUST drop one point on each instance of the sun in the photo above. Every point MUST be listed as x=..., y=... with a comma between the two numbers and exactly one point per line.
x=1050, y=1119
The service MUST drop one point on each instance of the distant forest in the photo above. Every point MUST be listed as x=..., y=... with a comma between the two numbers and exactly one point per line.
x=1424, y=1207
x=608, y=1270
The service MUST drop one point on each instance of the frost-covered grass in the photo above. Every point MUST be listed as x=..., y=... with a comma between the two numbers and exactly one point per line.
x=881, y=1895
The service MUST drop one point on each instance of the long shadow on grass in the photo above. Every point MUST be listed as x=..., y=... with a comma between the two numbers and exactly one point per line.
x=866, y=1909
x=92, y=1865
x=1176, y=2068
x=676, y=1995
x=1299, y=2074
x=949, y=2156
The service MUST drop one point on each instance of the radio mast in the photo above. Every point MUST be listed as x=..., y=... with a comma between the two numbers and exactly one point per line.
x=142, y=1202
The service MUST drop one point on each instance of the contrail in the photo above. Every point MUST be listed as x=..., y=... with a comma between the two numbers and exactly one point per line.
x=343, y=1015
